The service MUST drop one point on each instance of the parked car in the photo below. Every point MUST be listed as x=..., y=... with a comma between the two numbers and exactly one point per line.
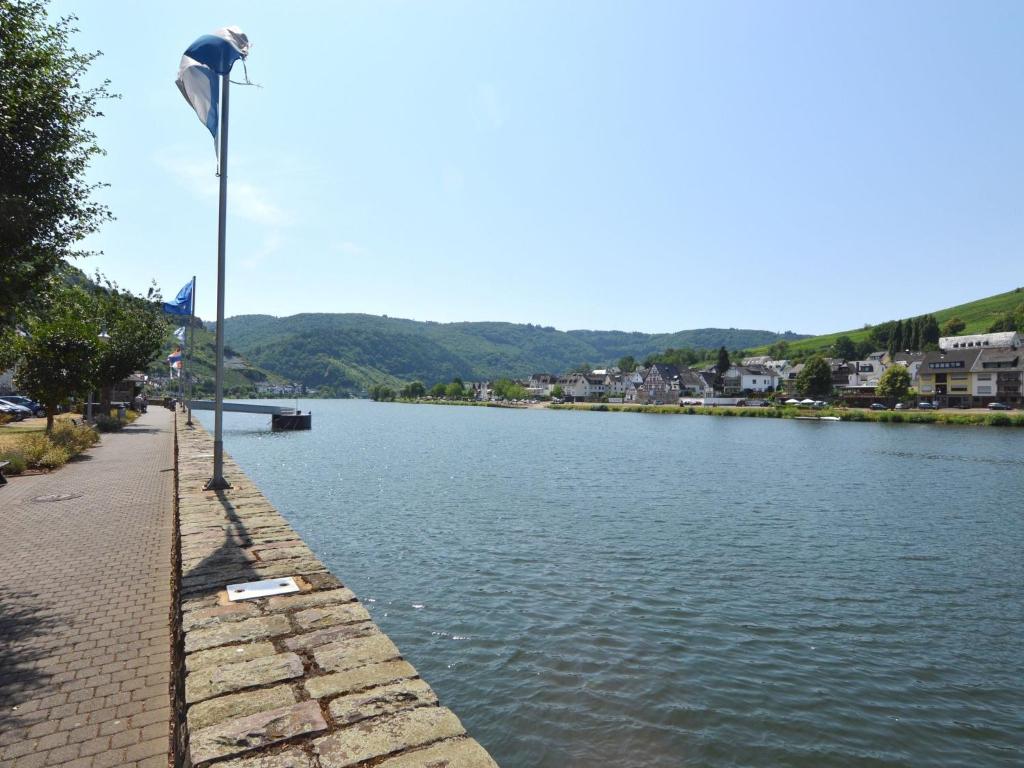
x=900, y=406
x=15, y=412
x=36, y=408
x=924, y=405
x=878, y=407
x=21, y=409
x=998, y=407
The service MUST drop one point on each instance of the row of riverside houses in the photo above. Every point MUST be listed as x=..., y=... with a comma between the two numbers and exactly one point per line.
x=964, y=372
x=660, y=384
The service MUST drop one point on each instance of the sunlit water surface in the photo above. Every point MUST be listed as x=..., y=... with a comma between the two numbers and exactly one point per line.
x=615, y=589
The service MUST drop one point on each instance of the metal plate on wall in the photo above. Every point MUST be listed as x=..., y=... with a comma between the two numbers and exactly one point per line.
x=250, y=590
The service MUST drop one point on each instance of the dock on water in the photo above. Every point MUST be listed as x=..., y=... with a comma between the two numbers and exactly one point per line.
x=281, y=417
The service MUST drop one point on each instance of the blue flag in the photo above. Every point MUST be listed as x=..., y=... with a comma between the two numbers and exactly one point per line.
x=182, y=303
x=205, y=60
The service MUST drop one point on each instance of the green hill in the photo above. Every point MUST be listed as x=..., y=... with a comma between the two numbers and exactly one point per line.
x=978, y=316
x=240, y=375
x=352, y=352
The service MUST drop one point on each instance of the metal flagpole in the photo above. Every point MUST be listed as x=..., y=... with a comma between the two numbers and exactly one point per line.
x=217, y=482
x=181, y=377
x=188, y=355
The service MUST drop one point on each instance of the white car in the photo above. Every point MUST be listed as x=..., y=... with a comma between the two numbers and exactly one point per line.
x=19, y=412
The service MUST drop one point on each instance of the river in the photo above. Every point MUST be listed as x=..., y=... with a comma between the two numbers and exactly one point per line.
x=617, y=589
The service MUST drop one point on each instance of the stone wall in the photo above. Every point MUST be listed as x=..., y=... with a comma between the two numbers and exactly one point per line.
x=304, y=680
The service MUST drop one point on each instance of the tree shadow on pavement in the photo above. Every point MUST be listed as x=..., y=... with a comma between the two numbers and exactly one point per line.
x=28, y=635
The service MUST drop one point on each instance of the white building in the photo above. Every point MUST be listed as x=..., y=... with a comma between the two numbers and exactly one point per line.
x=750, y=378
x=1004, y=339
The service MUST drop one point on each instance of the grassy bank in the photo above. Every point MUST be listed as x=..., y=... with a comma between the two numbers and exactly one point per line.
x=790, y=412
x=27, y=446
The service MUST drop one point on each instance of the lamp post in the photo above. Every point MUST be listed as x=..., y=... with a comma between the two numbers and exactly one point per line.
x=104, y=337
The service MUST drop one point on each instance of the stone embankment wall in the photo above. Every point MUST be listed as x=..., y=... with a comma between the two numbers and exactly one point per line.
x=304, y=680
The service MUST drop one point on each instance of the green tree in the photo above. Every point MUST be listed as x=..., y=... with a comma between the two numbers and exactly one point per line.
x=57, y=358
x=864, y=348
x=557, y=391
x=382, y=393
x=815, y=380
x=437, y=390
x=896, y=339
x=779, y=350
x=881, y=333
x=1013, y=320
x=627, y=364
x=844, y=348
x=46, y=202
x=413, y=390
x=953, y=326
x=721, y=366
x=455, y=390
x=133, y=327
x=929, y=332
x=912, y=334
x=509, y=390
x=894, y=384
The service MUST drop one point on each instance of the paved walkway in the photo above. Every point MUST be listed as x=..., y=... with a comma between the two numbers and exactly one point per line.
x=84, y=606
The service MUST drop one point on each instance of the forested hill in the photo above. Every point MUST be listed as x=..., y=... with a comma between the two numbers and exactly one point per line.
x=350, y=352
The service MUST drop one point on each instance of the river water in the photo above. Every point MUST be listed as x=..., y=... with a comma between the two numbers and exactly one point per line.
x=613, y=589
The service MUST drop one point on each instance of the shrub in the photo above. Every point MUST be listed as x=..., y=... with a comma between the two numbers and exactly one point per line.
x=599, y=407
x=74, y=438
x=33, y=446
x=999, y=420
x=17, y=462
x=54, y=456
x=108, y=424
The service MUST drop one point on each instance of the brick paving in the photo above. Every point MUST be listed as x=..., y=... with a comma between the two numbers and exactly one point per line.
x=85, y=593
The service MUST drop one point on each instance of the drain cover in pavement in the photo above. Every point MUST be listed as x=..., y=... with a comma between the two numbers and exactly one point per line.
x=57, y=497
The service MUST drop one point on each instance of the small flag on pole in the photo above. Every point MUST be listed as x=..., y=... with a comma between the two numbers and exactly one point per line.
x=182, y=303
x=180, y=334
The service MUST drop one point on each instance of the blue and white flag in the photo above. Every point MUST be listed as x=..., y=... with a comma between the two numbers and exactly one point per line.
x=204, y=60
x=182, y=303
x=180, y=334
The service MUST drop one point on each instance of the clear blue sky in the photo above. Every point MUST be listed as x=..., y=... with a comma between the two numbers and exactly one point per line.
x=639, y=166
